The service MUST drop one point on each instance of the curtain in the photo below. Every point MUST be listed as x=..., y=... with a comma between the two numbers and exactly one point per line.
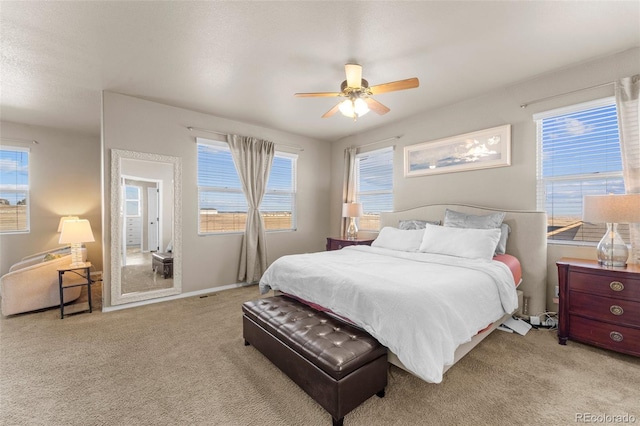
x=627, y=95
x=349, y=184
x=253, y=158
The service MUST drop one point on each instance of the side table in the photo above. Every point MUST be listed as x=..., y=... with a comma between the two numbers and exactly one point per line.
x=83, y=271
x=336, y=243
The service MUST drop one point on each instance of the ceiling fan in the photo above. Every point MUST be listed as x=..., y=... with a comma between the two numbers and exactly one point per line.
x=358, y=94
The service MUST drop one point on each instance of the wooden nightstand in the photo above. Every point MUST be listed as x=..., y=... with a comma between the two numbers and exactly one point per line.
x=599, y=306
x=339, y=242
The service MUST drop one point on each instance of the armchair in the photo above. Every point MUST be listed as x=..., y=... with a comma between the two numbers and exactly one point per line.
x=32, y=283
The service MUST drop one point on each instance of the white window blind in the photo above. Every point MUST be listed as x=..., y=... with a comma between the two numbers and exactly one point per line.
x=132, y=200
x=14, y=189
x=578, y=155
x=222, y=206
x=374, y=186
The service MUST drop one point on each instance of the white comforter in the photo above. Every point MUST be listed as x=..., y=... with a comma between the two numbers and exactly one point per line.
x=421, y=306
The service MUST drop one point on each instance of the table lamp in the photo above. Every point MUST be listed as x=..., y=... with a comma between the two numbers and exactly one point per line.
x=63, y=219
x=352, y=211
x=76, y=232
x=612, y=209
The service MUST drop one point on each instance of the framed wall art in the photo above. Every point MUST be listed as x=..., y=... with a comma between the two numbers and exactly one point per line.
x=471, y=151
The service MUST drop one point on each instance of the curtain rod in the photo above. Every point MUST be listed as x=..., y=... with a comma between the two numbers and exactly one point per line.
x=380, y=141
x=535, y=101
x=225, y=134
x=19, y=140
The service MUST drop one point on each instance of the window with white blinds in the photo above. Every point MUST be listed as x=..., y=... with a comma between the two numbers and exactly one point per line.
x=578, y=155
x=14, y=189
x=222, y=206
x=374, y=186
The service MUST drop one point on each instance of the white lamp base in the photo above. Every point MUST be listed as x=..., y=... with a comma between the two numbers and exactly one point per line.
x=76, y=255
x=612, y=251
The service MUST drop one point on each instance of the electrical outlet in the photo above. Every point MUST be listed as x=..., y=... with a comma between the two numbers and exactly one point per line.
x=534, y=320
x=557, y=292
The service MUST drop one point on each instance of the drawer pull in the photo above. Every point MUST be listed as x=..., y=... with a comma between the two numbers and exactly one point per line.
x=615, y=336
x=616, y=286
x=616, y=310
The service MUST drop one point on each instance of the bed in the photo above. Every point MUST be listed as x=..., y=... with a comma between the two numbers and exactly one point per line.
x=426, y=306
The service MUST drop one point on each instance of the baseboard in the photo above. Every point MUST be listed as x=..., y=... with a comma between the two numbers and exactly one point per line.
x=177, y=296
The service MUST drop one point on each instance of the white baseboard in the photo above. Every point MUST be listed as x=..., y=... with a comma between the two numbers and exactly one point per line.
x=177, y=296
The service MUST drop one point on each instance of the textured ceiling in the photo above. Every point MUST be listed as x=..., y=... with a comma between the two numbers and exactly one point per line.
x=245, y=60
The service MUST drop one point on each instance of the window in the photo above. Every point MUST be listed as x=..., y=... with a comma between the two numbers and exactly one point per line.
x=14, y=189
x=374, y=186
x=132, y=200
x=222, y=205
x=578, y=155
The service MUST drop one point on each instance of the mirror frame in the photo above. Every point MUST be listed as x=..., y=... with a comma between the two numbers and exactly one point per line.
x=117, y=298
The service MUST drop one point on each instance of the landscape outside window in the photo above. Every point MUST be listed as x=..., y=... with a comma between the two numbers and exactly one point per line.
x=578, y=155
x=222, y=206
x=14, y=190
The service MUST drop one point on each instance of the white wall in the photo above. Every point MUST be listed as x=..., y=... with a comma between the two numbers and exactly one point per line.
x=511, y=187
x=64, y=174
x=212, y=261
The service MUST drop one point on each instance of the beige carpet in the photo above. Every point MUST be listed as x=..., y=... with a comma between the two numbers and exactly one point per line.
x=184, y=363
x=136, y=278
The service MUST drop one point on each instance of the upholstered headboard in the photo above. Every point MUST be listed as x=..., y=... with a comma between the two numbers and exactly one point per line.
x=527, y=242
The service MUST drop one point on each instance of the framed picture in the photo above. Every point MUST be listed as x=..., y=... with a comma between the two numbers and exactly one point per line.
x=476, y=150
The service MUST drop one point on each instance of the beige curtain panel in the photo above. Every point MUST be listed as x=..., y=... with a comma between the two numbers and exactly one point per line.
x=627, y=95
x=253, y=158
x=349, y=184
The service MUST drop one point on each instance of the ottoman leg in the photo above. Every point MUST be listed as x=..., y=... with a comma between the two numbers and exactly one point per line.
x=338, y=422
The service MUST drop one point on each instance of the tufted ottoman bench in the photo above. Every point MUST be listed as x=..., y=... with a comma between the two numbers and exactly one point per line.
x=338, y=365
x=162, y=262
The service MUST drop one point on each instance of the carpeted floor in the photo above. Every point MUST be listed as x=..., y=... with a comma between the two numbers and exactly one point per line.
x=184, y=363
x=136, y=278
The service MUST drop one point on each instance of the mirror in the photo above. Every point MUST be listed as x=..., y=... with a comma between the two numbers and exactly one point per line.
x=146, y=224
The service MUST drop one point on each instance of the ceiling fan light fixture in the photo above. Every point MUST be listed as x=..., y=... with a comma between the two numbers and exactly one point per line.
x=353, y=107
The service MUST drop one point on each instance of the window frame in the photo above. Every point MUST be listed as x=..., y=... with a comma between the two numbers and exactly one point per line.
x=542, y=182
x=27, y=191
x=280, y=154
x=358, y=193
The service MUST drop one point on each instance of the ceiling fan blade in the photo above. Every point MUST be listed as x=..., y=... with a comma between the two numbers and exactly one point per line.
x=376, y=106
x=318, y=94
x=354, y=75
x=331, y=111
x=409, y=83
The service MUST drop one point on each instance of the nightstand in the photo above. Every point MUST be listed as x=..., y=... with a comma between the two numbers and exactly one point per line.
x=338, y=242
x=83, y=271
x=599, y=306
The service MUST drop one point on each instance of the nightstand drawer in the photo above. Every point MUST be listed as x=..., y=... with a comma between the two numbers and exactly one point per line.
x=605, y=335
x=605, y=285
x=606, y=309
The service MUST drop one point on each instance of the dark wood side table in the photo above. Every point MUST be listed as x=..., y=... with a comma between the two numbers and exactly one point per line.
x=336, y=243
x=83, y=271
x=599, y=306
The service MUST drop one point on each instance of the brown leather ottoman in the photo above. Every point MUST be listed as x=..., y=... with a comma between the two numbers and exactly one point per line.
x=163, y=262
x=338, y=365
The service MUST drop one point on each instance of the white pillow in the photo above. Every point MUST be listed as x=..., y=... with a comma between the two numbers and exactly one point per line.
x=470, y=243
x=399, y=239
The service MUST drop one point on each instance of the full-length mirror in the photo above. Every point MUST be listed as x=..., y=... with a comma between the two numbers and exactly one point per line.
x=146, y=248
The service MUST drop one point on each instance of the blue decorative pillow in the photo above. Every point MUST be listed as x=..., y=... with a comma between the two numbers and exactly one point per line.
x=416, y=224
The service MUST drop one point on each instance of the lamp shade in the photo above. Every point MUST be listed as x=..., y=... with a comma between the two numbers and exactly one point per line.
x=63, y=218
x=76, y=231
x=351, y=210
x=611, y=208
